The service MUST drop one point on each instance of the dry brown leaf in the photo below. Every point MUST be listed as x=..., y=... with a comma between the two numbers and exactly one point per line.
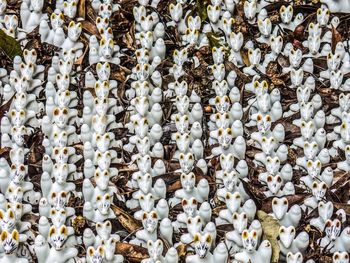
x=342, y=192
x=292, y=155
x=244, y=54
x=253, y=191
x=230, y=66
x=81, y=9
x=90, y=28
x=277, y=81
x=270, y=228
x=283, y=61
x=299, y=32
x=292, y=199
x=326, y=259
x=174, y=186
x=340, y=178
x=31, y=218
x=4, y=151
x=79, y=224
x=126, y=220
x=223, y=229
x=129, y=38
x=181, y=250
x=5, y=107
x=344, y=206
x=90, y=13
x=132, y=253
x=272, y=68
x=120, y=74
x=336, y=37
x=217, y=209
x=80, y=60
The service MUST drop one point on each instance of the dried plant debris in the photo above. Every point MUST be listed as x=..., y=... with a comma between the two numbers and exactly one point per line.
x=156, y=131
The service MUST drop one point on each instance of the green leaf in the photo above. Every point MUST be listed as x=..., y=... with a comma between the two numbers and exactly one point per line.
x=9, y=45
x=202, y=9
x=270, y=232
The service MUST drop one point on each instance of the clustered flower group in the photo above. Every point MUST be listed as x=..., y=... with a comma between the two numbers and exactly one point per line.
x=230, y=117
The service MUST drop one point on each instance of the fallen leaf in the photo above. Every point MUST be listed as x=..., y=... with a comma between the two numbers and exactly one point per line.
x=79, y=224
x=181, y=250
x=223, y=229
x=336, y=37
x=90, y=28
x=31, y=218
x=283, y=61
x=201, y=6
x=90, y=13
x=9, y=45
x=270, y=228
x=244, y=54
x=81, y=9
x=126, y=220
x=129, y=38
x=277, y=81
x=4, y=108
x=320, y=64
x=344, y=206
x=292, y=199
x=299, y=32
x=340, y=178
x=253, y=191
x=342, y=192
x=214, y=40
x=326, y=259
x=120, y=74
x=80, y=60
x=4, y=151
x=132, y=253
x=173, y=187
